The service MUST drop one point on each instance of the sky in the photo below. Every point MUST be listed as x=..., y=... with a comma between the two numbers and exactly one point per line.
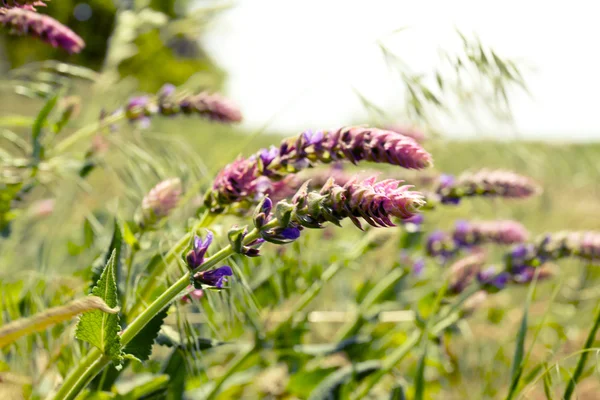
x=294, y=65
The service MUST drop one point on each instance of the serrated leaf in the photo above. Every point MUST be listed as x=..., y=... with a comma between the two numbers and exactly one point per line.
x=36, y=129
x=141, y=346
x=25, y=326
x=99, y=328
x=116, y=246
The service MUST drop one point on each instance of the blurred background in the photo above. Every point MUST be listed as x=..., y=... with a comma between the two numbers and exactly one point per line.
x=509, y=85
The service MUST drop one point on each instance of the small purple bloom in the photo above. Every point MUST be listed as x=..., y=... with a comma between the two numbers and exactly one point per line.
x=215, y=277
x=252, y=249
x=313, y=138
x=492, y=279
x=267, y=206
x=291, y=233
x=417, y=219
x=268, y=155
x=166, y=90
x=418, y=267
x=195, y=257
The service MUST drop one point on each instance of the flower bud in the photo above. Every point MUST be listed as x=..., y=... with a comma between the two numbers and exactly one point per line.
x=159, y=202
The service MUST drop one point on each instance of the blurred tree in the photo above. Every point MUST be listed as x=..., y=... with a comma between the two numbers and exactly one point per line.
x=153, y=41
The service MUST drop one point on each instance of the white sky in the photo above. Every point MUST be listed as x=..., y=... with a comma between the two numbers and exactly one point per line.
x=292, y=64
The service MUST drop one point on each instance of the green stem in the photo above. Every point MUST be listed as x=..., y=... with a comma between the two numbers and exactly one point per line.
x=159, y=269
x=94, y=362
x=583, y=357
x=73, y=384
x=86, y=131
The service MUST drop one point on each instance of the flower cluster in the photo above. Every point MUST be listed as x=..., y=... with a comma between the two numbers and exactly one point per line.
x=468, y=234
x=159, y=202
x=23, y=21
x=168, y=103
x=464, y=271
x=374, y=202
x=475, y=233
x=5, y=5
x=195, y=258
x=523, y=259
x=492, y=183
x=244, y=180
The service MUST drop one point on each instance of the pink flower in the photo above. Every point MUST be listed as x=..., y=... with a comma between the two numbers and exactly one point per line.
x=26, y=22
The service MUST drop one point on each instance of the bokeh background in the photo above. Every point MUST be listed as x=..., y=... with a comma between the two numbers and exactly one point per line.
x=509, y=85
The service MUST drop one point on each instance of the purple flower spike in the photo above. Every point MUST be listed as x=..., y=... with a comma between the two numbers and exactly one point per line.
x=475, y=233
x=489, y=183
x=215, y=277
x=195, y=257
x=24, y=21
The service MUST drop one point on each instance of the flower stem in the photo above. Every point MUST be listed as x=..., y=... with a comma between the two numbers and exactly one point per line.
x=95, y=361
x=86, y=131
x=158, y=270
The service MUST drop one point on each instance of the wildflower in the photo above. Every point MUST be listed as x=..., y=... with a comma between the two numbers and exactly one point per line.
x=475, y=233
x=251, y=178
x=440, y=244
x=252, y=249
x=160, y=201
x=195, y=256
x=418, y=267
x=491, y=183
x=215, y=277
x=211, y=106
x=282, y=235
x=24, y=4
x=464, y=271
x=194, y=294
x=26, y=22
x=493, y=280
x=371, y=201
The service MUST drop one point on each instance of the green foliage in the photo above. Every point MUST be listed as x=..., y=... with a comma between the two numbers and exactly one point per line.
x=101, y=329
x=330, y=386
x=141, y=346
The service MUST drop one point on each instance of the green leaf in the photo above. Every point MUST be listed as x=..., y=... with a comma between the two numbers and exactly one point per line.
x=397, y=393
x=116, y=247
x=38, y=124
x=141, y=346
x=516, y=369
x=420, y=376
x=99, y=328
x=329, y=387
x=175, y=368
